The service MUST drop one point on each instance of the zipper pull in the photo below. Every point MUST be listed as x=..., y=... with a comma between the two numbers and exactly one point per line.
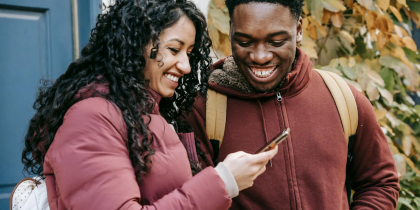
x=279, y=98
x=271, y=163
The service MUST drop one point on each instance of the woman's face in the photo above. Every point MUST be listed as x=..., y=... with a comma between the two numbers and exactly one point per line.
x=172, y=60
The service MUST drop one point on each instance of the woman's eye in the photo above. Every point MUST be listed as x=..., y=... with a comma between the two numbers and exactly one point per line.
x=175, y=51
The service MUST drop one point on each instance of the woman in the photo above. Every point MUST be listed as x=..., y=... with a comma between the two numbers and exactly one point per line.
x=101, y=136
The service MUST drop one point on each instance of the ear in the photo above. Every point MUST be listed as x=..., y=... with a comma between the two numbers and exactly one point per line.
x=299, y=31
x=230, y=31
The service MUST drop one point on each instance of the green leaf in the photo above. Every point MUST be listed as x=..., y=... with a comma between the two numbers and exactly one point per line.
x=414, y=6
x=220, y=20
x=349, y=72
x=417, y=202
x=416, y=127
x=412, y=56
x=365, y=3
x=408, y=192
x=360, y=46
x=334, y=62
x=417, y=108
x=401, y=87
x=406, y=202
x=390, y=62
x=333, y=5
x=386, y=94
x=316, y=8
x=373, y=75
x=388, y=77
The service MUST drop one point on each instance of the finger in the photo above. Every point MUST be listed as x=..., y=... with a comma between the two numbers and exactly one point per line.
x=262, y=170
x=259, y=172
x=273, y=152
x=265, y=156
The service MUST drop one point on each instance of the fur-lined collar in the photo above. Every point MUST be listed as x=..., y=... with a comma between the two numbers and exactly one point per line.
x=230, y=76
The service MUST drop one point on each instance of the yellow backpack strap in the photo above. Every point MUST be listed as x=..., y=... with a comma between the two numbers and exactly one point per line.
x=344, y=100
x=216, y=115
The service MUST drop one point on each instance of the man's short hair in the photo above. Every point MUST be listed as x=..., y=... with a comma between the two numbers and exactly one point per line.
x=295, y=6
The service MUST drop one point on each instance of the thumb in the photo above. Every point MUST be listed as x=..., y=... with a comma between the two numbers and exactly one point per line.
x=265, y=156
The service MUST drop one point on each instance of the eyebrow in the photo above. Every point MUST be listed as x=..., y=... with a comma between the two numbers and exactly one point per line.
x=250, y=37
x=180, y=41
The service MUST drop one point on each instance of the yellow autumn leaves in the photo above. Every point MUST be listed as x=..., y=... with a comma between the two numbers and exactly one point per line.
x=218, y=24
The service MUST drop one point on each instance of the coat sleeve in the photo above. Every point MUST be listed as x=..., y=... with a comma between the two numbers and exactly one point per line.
x=374, y=176
x=90, y=165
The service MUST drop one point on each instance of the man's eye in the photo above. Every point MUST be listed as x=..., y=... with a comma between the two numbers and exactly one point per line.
x=244, y=44
x=277, y=44
x=175, y=51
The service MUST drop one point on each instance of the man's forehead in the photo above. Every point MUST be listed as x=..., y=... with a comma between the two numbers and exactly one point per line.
x=262, y=15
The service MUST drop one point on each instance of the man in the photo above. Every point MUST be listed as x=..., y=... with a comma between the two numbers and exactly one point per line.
x=271, y=85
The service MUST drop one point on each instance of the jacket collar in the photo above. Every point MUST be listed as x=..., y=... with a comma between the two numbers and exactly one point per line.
x=156, y=97
x=228, y=79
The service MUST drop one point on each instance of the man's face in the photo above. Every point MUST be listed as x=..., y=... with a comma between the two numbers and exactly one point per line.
x=264, y=38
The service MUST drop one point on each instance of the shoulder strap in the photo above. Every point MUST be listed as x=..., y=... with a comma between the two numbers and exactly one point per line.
x=216, y=115
x=344, y=100
x=347, y=108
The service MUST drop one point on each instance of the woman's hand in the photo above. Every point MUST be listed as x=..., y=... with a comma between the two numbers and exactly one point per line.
x=245, y=167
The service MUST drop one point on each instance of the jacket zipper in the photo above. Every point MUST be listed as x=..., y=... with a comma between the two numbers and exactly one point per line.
x=280, y=99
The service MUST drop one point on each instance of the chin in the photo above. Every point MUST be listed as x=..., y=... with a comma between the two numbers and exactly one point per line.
x=168, y=94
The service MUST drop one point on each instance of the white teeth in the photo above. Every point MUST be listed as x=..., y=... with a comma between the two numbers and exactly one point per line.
x=262, y=74
x=171, y=77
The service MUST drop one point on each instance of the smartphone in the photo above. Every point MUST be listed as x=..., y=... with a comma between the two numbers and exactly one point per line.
x=273, y=142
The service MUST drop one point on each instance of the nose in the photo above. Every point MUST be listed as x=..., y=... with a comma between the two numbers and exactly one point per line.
x=261, y=56
x=183, y=64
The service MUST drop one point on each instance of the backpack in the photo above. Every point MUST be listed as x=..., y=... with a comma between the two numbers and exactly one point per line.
x=344, y=100
x=29, y=194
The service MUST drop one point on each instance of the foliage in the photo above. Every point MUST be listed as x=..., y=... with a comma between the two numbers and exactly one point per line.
x=369, y=44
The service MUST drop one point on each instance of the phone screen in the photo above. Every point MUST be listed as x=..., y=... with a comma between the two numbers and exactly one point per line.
x=273, y=142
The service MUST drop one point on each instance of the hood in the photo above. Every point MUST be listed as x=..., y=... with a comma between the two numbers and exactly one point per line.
x=228, y=79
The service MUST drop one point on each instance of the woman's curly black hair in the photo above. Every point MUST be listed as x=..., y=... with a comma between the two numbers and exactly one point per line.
x=114, y=57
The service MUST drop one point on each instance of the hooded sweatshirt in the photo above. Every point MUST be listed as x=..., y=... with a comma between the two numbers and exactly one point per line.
x=309, y=171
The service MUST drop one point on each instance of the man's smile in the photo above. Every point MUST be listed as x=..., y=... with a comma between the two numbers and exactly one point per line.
x=263, y=72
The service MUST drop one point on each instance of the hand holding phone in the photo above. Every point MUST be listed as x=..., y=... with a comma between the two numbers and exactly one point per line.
x=273, y=142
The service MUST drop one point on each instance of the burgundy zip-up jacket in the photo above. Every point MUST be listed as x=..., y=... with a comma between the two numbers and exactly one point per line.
x=88, y=167
x=309, y=171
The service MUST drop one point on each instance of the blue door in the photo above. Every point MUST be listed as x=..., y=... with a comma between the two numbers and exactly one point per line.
x=36, y=42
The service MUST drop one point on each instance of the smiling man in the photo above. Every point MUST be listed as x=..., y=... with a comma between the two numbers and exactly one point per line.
x=271, y=85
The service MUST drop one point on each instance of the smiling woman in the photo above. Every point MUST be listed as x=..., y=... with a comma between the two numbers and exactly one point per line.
x=172, y=61
x=100, y=136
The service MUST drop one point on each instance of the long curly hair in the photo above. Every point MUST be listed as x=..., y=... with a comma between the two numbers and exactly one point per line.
x=114, y=57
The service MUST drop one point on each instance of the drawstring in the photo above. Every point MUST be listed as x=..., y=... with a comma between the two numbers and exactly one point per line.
x=265, y=128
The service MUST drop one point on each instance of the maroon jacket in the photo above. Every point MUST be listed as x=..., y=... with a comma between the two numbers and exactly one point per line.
x=88, y=167
x=309, y=170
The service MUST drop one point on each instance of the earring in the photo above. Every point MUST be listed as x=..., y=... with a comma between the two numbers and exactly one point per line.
x=153, y=53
